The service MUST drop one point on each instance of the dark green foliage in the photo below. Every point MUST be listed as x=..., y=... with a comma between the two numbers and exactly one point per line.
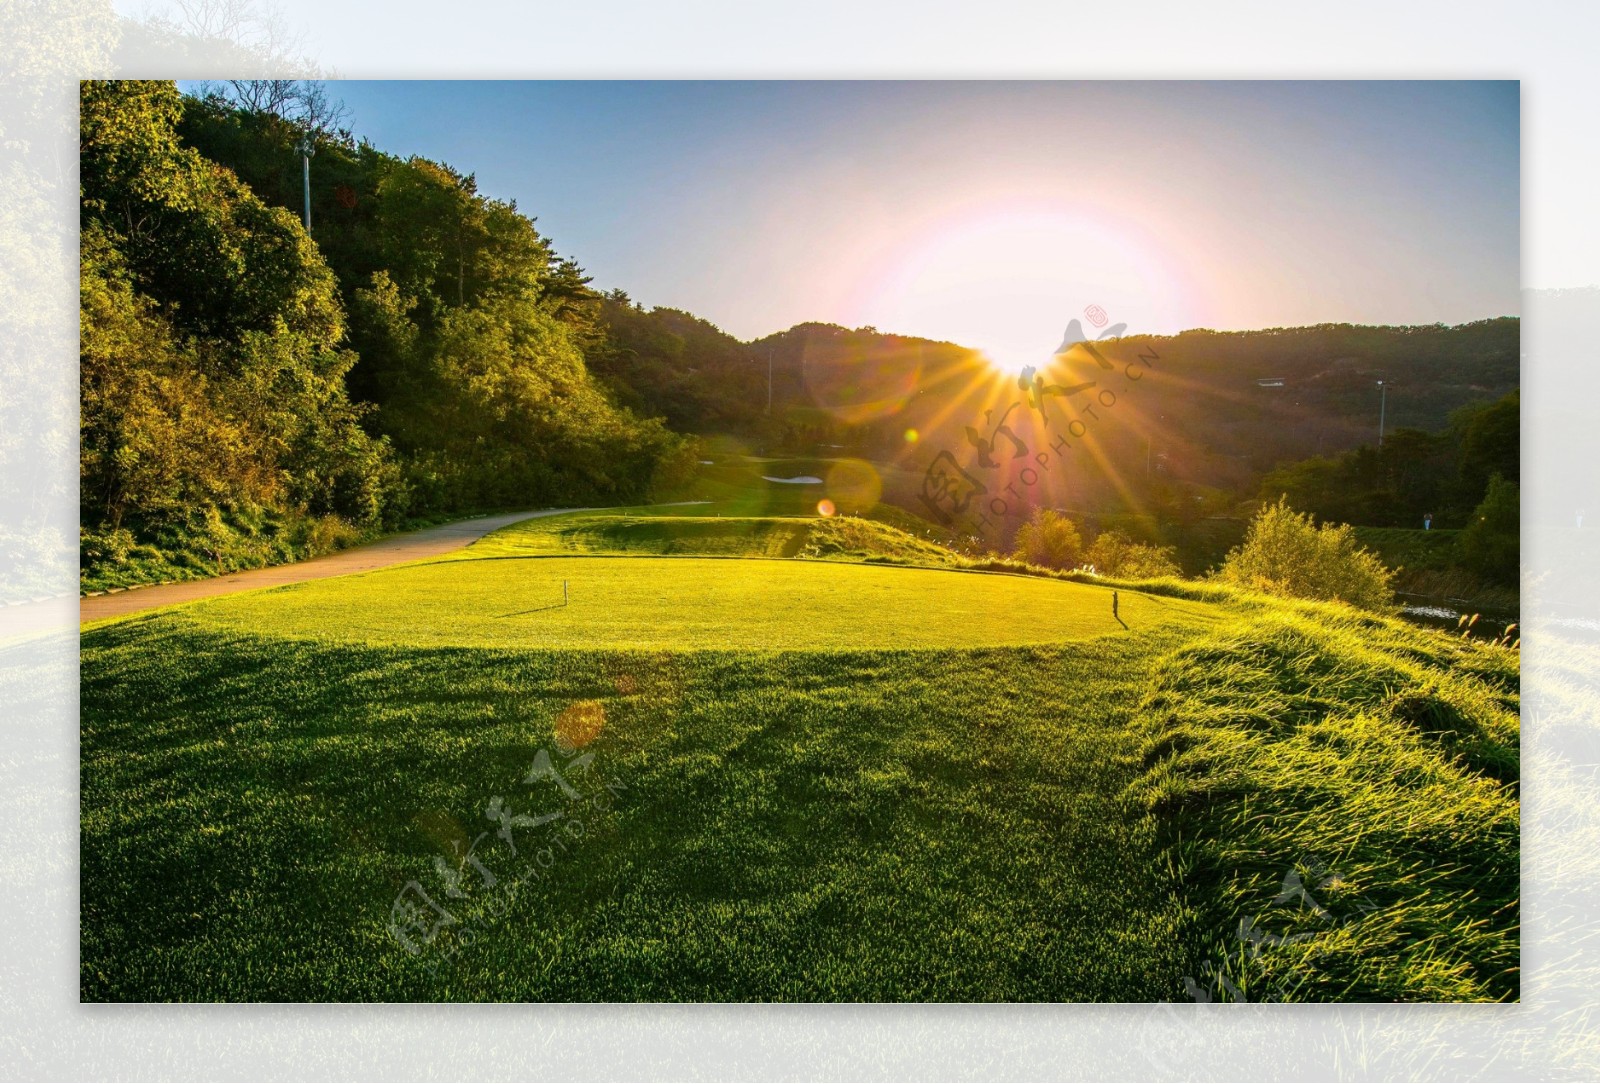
x=1411, y=475
x=1329, y=402
x=1390, y=489
x=474, y=337
x=1491, y=443
x=1491, y=543
x=195, y=238
x=220, y=378
x=505, y=413
x=670, y=363
x=1399, y=548
x=212, y=376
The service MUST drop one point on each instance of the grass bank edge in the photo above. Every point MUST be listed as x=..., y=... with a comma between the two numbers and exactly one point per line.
x=1341, y=794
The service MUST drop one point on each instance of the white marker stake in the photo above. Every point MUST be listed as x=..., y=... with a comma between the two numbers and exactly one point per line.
x=563, y=592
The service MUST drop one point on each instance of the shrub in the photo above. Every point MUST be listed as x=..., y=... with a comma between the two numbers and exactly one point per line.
x=1285, y=553
x=1115, y=554
x=1049, y=539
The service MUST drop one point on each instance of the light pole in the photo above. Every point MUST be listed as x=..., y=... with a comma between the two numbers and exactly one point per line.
x=1383, y=401
x=307, y=147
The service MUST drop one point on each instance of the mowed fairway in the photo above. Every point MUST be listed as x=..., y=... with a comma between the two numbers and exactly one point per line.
x=681, y=603
x=721, y=778
x=765, y=779
x=929, y=825
x=807, y=780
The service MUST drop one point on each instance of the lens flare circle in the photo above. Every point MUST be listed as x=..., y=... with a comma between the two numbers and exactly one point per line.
x=579, y=724
x=853, y=486
x=860, y=376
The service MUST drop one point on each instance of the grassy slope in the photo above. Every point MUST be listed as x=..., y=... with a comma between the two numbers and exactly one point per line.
x=1087, y=821
x=1377, y=763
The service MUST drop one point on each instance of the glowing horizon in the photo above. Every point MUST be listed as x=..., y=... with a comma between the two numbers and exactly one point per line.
x=997, y=277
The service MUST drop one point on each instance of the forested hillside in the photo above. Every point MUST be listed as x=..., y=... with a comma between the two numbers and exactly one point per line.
x=251, y=393
x=1223, y=408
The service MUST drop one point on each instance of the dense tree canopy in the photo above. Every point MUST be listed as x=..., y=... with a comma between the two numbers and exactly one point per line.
x=212, y=371
x=425, y=352
x=1412, y=474
x=1491, y=544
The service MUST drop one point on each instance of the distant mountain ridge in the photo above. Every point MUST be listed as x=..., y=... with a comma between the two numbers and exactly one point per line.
x=1205, y=404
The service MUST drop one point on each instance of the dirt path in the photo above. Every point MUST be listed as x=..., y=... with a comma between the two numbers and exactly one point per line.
x=65, y=613
x=429, y=542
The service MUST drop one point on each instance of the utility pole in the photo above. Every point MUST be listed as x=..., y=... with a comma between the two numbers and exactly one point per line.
x=308, y=147
x=1383, y=401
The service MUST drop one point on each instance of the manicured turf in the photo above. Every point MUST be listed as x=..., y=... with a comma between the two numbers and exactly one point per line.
x=812, y=826
x=686, y=604
x=946, y=785
x=892, y=537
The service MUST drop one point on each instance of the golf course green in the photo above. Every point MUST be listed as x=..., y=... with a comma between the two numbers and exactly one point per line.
x=604, y=756
x=689, y=603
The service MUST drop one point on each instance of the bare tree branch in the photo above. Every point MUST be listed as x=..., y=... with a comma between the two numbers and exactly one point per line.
x=256, y=31
x=305, y=103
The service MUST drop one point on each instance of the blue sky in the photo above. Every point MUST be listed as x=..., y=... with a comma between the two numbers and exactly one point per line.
x=990, y=213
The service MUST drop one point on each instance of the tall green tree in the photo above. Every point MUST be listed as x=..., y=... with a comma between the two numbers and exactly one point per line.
x=1491, y=544
x=213, y=372
x=1491, y=443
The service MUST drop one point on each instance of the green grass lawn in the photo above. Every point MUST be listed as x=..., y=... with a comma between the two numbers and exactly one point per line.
x=811, y=826
x=807, y=780
x=686, y=603
x=702, y=530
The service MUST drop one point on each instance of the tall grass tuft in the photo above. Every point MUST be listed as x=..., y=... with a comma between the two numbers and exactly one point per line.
x=1339, y=799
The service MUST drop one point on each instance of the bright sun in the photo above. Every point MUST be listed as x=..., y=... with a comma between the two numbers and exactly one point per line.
x=1007, y=279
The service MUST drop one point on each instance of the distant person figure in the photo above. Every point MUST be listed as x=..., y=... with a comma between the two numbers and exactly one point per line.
x=1114, y=613
x=1427, y=522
